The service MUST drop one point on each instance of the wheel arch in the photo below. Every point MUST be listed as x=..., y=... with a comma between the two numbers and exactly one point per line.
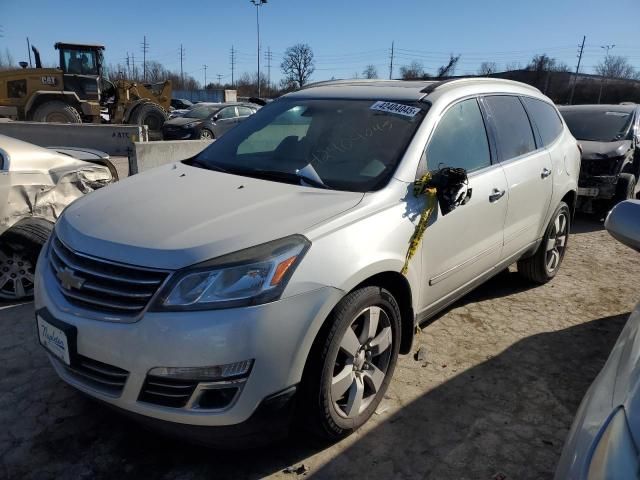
x=40, y=97
x=570, y=199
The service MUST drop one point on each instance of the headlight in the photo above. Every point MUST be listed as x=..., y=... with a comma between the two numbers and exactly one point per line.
x=615, y=455
x=191, y=124
x=249, y=277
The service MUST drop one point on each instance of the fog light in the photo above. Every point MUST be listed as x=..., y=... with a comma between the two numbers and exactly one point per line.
x=205, y=374
x=217, y=398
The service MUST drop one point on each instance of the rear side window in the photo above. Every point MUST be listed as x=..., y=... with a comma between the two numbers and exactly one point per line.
x=244, y=111
x=515, y=136
x=460, y=139
x=546, y=119
x=229, y=112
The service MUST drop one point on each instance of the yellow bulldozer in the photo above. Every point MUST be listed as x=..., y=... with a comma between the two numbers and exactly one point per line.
x=78, y=91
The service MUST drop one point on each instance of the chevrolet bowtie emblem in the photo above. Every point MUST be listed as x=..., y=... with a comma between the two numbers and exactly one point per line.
x=69, y=280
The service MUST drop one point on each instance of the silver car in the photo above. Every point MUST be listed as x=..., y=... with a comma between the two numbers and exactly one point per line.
x=36, y=184
x=289, y=262
x=603, y=441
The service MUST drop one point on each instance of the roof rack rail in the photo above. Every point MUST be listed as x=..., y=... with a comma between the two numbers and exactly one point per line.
x=435, y=85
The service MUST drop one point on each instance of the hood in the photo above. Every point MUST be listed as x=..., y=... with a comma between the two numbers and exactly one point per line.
x=604, y=150
x=179, y=121
x=177, y=215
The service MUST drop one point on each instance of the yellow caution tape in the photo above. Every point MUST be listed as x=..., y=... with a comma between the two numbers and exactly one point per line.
x=419, y=188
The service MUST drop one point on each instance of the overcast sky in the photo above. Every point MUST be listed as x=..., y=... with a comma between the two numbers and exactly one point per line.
x=346, y=35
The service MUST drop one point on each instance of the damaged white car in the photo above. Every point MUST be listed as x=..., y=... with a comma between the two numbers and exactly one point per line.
x=36, y=184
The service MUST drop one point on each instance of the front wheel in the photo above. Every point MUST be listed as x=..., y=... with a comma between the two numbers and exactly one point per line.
x=206, y=134
x=625, y=189
x=545, y=263
x=352, y=363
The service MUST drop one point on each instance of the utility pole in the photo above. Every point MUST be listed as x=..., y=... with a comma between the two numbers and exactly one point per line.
x=128, y=67
x=573, y=87
x=604, y=78
x=205, y=76
x=219, y=78
x=268, y=57
x=134, y=74
x=258, y=4
x=391, y=63
x=145, y=47
x=29, y=51
x=233, y=64
x=181, y=71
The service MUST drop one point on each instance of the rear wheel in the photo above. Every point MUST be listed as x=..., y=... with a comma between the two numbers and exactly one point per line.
x=351, y=364
x=206, y=134
x=151, y=115
x=19, y=250
x=56, y=111
x=545, y=263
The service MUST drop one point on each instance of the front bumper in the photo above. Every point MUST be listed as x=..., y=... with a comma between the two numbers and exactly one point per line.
x=277, y=336
x=180, y=133
x=598, y=187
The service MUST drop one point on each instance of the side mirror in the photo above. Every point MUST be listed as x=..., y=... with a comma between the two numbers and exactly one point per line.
x=215, y=118
x=623, y=223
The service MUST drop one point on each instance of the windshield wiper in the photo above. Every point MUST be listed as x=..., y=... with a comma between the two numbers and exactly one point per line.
x=278, y=175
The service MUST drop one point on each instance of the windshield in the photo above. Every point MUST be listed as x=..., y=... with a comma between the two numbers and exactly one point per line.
x=200, y=112
x=597, y=125
x=352, y=145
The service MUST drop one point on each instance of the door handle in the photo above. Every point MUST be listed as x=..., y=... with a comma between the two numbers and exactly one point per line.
x=496, y=195
x=545, y=172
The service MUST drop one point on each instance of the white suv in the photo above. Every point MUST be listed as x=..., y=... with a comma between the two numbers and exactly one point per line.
x=292, y=259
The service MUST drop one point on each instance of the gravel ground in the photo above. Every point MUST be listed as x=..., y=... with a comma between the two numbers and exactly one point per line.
x=504, y=372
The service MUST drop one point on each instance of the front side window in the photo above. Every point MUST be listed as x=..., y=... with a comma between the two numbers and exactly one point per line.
x=200, y=112
x=339, y=144
x=546, y=119
x=225, y=113
x=244, y=111
x=515, y=136
x=460, y=139
x=80, y=62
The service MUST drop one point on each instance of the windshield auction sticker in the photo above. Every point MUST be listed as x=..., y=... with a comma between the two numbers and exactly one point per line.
x=397, y=108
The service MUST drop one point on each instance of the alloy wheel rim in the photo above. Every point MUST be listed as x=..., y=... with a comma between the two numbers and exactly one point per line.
x=556, y=243
x=362, y=362
x=16, y=275
x=205, y=134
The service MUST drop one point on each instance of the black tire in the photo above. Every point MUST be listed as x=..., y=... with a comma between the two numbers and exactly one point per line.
x=625, y=188
x=56, y=111
x=317, y=410
x=150, y=114
x=206, y=134
x=20, y=247
x=537, y=267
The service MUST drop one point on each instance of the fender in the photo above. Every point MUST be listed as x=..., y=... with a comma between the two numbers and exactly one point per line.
x=38, y=94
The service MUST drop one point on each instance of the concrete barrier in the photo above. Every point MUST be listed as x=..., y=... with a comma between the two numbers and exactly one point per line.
x=147, y=155
x=111, y=139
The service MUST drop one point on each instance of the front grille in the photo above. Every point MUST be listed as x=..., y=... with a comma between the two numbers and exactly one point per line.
x=601, y=166
x=167, y=392
x=100, y=285
x=99, y=375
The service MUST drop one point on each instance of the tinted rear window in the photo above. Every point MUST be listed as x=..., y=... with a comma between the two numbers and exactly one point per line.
x=515, y=136
x=546, y=119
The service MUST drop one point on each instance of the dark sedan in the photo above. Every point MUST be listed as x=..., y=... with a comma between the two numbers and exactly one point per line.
x=207, y=121
x=609, y=136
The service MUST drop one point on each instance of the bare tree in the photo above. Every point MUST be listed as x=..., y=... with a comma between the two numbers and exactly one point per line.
x=487, y=68
x=513, y=66
x=370, y=71
x=450, y=68
x=615, y=66
x=544, y=63
x=298, y=64
x=413, y=71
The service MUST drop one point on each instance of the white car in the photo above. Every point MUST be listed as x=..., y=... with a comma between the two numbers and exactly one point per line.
x=293, y=257
x=36, y=184
x=603, y=441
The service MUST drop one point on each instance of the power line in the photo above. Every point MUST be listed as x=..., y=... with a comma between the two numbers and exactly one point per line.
x=268, y=57
x=391, y=62
x=145, y=48
x=233, y=63
x=573, y=87
x=181, y=70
